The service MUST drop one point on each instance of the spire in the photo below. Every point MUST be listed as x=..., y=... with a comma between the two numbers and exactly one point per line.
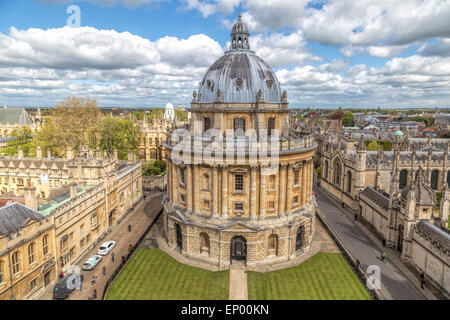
x=239, y=35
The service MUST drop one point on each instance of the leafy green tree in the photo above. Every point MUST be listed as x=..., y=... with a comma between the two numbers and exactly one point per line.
x=138, y=115
x=372, y=146
x=338, y=114
x=319, y=172
x=156, y=114
x=72, y=123
x=422, y=119
x=120, y=134
x=20, y=137
x=180, y=115
x=156, y=167
x=348, y=120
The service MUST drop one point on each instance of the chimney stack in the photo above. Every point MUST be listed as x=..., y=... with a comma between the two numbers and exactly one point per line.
x=49, y=154
x=29, y=194
x=19, y=153
x=38, y=153
x=131, y=157
x=116, y=157
x=69, y=154
x=73, y=190
x=90, y=154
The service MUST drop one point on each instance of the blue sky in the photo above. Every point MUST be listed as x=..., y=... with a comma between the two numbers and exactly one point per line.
x=148, y=52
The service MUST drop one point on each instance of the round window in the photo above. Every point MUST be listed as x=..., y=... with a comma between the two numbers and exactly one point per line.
x=269, y=84
x=239, y=82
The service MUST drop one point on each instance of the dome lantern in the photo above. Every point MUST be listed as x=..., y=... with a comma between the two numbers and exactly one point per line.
x=239, y=35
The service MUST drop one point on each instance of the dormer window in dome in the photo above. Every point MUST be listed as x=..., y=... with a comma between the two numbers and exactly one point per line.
x=269, y=84
x=210, y=84
x=239, y=83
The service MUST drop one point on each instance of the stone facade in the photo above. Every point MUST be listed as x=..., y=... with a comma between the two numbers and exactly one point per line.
x=246, y=207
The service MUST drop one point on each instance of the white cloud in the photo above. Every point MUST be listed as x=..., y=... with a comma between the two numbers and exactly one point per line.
x=441, y=47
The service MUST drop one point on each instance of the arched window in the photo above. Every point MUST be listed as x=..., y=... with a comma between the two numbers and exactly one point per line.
x=349, y=182
x=15, y=262
x=272, y=245
x=204, y=243
x=325, y=170
x=239, y=126
x=448, y=179
x=337, y=173
x=153, y=154
x=299, y=238
x=45, y=245
x=179, y=237
x=270, y=126
x=1, y=271
x=403, y=179
x=434, y=179
x=31, y=253
x=206, y=124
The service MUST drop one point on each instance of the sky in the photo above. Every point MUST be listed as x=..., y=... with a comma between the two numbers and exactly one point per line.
x=145, y=53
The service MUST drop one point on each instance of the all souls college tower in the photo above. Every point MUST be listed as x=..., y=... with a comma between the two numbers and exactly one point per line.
x=249, y=197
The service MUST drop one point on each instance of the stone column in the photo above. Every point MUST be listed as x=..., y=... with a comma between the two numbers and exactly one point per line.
x=174, y=184
x=282, y=188
x=169, y=180
x=196, y=182
x=253, y=193
x=304, y=184
x=224, y=192
x=215, y=188
x=189, y=187
x=289, y=187
x=262, y=192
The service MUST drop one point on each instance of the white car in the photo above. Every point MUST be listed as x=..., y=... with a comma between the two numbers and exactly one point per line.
x=106, y=247
x=92, y=262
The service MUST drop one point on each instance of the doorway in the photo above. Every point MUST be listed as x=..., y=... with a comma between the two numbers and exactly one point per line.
x=238, y=248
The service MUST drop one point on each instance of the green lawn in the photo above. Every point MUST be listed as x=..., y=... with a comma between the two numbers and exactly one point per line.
x=151, y=274
x=325, y=276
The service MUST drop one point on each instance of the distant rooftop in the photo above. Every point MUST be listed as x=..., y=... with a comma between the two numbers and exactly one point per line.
x=59, y=200
x=14, y=216
x=14, y=116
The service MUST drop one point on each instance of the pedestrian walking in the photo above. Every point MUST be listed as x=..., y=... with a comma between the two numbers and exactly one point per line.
x=94, y=294
x=130, y=247
x=357, y=263
x=123, y=259
x=384, y=242
x=129, y=228
x=93, y=279
x=356, y=217
x=383, y=256
x=104, y=270
x=422, y=280
x=61, y=275
x=112, y=256
x=343, y=205
x=81, y=284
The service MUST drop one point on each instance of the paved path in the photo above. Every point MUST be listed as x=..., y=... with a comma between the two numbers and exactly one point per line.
x=394, y=284
x=139, y=219
x=238, y=281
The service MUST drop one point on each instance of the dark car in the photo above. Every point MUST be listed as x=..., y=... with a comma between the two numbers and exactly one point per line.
x=66, y=285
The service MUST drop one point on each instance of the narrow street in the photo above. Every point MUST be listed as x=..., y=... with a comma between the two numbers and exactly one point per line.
x=139, y=219
x=394, y=285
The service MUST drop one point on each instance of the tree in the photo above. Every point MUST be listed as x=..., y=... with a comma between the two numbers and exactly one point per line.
x=422, y=119
x=348, y=120
x=156, y=114
x=120, y=134
x=20, y=137
x=372, y=146
x=73, y=122
x=156, y=167
x=180, y=115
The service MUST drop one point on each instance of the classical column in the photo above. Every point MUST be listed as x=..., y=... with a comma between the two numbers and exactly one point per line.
x=189, y=187
x=289, y=187
x=196, y=182
x=304, y=185
x=253, y=194
x=262, y=192
x=282, y=188
x=174, y=184
x=215, y=188
x=169, y=180
x=224, y=192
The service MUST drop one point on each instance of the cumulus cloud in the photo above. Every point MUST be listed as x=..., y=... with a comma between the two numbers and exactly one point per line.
x=440, y=47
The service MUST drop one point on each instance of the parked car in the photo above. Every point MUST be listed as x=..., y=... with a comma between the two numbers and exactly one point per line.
x=66, y=285
x=92, y=262
x=106, y=247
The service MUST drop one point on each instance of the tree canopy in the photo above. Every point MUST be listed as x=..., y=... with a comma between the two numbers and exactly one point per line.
x=20, y=137
x=348, y=120
x=422, y=119
x=156, y=114
x=120, y=134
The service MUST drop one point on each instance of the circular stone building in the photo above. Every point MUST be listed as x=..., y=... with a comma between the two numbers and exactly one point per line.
x=239, y=202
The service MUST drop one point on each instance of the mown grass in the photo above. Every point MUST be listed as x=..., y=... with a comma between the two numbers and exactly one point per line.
x=325, y=276
x=151, y=274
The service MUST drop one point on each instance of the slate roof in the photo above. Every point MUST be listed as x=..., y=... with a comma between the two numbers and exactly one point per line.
x=14, y=216
x=434, y=233
x=377, y=197
x=14, y=116
x=423, y=194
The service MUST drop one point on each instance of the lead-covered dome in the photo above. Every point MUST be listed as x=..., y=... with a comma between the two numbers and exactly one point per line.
x=239, y=74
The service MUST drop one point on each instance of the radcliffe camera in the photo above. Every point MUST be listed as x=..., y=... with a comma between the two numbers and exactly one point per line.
x=200, y=154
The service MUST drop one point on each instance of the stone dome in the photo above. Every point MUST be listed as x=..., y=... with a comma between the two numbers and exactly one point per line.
x=398, y=133
x=239, y=74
